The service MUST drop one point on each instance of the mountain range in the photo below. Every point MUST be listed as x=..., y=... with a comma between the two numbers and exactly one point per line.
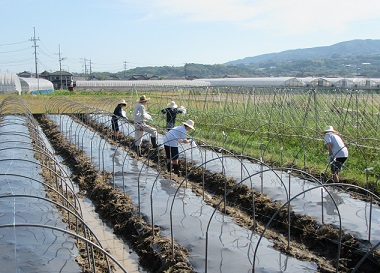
x=342, y=49
x=355, y=58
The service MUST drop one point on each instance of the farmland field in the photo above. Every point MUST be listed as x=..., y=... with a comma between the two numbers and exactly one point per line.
x=255, y=148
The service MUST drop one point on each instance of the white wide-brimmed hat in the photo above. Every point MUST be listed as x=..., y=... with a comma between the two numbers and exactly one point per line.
x=122, y=102
x=172, y=105
x=189, y=123
x=328, y=129
x=143, y=98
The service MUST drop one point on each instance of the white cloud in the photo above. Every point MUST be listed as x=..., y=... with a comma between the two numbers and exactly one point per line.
x=286, y=17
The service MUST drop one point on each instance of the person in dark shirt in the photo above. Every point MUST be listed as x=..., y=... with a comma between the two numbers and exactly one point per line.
x=171, y=114
x=117, y=113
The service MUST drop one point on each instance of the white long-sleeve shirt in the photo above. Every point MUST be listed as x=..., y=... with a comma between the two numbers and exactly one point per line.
x=140, y=114
x=174, y=136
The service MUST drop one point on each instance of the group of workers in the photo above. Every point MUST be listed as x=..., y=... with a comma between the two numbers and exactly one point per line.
x=174, y=136
x=337, y=150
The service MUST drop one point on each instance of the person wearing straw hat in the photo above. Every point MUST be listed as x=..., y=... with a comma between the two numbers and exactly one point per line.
x=172, y=138
x=140, y=116
x=338, y=152
x=171, y=113
x=117, y=113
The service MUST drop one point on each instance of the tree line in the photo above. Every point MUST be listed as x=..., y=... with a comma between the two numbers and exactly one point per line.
x=335, y=66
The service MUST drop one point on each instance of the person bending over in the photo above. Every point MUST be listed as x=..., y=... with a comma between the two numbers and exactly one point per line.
x=338, y=152
x=172, y=138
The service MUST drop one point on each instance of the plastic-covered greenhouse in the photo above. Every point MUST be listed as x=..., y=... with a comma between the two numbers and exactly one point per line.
x=12, y=84
x=291, y=82
x=9, y=84
x=36, y=86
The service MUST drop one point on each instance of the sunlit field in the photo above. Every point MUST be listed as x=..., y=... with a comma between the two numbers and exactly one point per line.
x=281, y=127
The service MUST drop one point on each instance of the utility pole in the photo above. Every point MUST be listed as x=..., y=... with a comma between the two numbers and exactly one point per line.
x=125, y=68
x=90, y=69
x=34, y=40
x=60, y=63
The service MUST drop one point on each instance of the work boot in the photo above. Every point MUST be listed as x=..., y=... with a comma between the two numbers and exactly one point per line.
x=169, y=166
x=154, y=142
x=176, y=169
x=138, y=150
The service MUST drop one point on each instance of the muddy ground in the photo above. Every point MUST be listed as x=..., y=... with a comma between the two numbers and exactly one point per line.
x=310, y=241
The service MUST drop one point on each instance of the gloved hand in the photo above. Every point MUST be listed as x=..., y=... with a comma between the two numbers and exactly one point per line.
x=151, y=120
x=183, y=109
x=191, y=140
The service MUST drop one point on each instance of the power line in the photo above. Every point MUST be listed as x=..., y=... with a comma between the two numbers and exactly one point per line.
x=13, y=43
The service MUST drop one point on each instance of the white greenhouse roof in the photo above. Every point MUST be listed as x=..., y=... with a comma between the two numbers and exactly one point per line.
x=264, y=81
x=9, y=84
x=13, y=84
x=139, y=83
x=36, y=86
x=226, y=82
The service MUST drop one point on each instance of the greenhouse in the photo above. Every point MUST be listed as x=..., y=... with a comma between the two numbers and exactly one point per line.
x=264, y=81
x=36, y=86
x=280, y=82
x=12, y=84
x=9, y=84
x=117, y=84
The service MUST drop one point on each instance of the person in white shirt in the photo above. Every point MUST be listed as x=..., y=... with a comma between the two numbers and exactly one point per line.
x=338, y=152
x=172, y=138
x=140, y=116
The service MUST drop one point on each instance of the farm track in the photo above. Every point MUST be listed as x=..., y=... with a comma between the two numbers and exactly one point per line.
x=310, y=241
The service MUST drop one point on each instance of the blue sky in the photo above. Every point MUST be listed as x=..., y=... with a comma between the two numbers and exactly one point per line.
x=108, y=35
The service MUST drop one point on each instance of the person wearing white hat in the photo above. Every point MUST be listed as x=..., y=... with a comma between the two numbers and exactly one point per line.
x=117, y=113
x=172, y=138
x=140, y=116
x=171, y=113
x=338, y=152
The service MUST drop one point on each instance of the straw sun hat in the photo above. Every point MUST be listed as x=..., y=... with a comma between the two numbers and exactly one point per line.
x=143, y=98
x=189, y=123
x=328, y=129
x=122, y=102
x=172, y=105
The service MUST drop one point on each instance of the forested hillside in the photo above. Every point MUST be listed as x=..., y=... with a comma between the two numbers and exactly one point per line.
x=347, y=59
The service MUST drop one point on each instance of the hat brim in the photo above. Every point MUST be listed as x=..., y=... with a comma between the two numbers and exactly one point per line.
x=143, y=100
x=324, y=132
x=184, y=123
x=172, y=106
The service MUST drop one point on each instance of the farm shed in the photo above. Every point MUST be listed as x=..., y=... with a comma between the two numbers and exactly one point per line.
x=36, y=86
x=10, y=84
